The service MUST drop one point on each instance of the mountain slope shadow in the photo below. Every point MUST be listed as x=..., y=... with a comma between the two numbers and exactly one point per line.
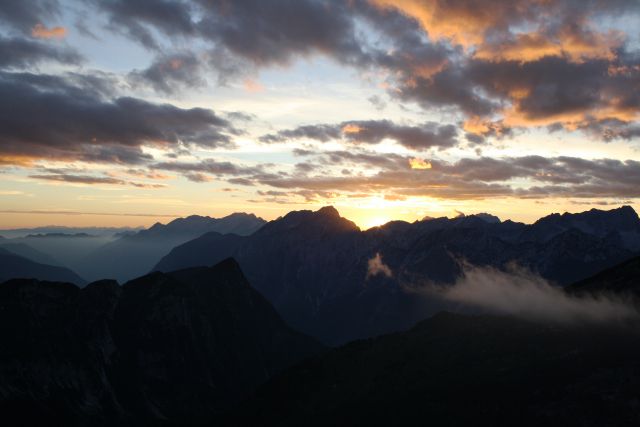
x=165, y=348
x=461, y=370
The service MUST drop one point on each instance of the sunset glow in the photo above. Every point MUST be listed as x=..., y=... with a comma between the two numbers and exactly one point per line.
x=518, y=110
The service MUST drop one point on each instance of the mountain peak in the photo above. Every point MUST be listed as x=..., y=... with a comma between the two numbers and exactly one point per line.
x=327, y=218
x=492, y=219
x=229, y=265
x=330, y=211
x=627, y=211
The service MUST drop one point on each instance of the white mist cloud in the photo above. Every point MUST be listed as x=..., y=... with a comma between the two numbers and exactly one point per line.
x=523, y=294
x=377, y=266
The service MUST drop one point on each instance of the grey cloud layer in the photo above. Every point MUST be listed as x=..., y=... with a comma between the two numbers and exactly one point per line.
x=472, y=178
x=563, y=67
x=17, y=52
x=65, y=118
x=427, y=135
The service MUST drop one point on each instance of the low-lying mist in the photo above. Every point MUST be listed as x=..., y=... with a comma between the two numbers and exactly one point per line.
x=520, y=293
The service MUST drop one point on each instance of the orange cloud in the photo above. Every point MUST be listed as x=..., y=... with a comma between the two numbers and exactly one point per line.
x=417, y=163
x=42, y=32
x=16, y=160
x=454, y=21
x=533, y=46
x=253, y=86
x=467, y=23
x=351, y=128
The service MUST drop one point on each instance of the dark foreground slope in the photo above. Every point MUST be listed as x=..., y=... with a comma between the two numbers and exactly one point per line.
x=16, y=266
x=168, y=347
x=462, y=370
x=623, y=279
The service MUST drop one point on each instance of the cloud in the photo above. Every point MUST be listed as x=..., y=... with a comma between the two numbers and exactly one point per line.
x=82, y=124
x=16, y=52
x=511, y=64
x=138, y=18
x=519, y=29
x=93, y=180
x=209, y=166
x=25, y=14
x=39, y=31
x=427, y=135
x=417, y=163
x=376, y=266
x=170, y=74
x=321, y=132
x=467, y=178
x=74, y=213
x=523, y=294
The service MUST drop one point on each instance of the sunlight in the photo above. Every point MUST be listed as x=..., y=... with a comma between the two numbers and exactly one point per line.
x=374, y=222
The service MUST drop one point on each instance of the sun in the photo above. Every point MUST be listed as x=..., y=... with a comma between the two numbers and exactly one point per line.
x=375, y=221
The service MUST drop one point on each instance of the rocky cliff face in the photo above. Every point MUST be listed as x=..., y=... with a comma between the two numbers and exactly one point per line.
x=167, y=347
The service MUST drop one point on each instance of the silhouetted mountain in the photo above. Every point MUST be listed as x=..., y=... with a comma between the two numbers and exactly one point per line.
x=622, y=222
x=461, y=370
x=133, y=255
x=313, y=266
x=53, y=235
x=622, y=279
x=16, y=266
x=28, y=252
x=67, y=249
x=57, y=229
x=208, y=249
x=165, y=348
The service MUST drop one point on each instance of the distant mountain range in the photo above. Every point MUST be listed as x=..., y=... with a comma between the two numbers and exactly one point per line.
x=135, y=254
x=57, y=229
x=335, y=282
x=28, y=252
x=16, y=266
x=314, y=267
x=172, y=348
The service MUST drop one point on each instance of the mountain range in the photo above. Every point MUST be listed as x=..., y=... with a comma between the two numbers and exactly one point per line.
x=165, y=348
x=200, y=346
x=135, y=254
x=16, y=266
x=316, y=267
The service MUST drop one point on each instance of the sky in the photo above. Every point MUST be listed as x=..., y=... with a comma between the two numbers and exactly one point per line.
x=128, y=112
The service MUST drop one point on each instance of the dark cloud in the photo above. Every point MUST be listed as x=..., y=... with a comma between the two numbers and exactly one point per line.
x=57, y=118
x=92, y=180
x=208, y=166
x=63, y=212
x=320, y=132
x=170, y=74
x=522, y=63
x=25, y=14
x=273, y=32
x=139, y=18
x=17, y=52
x=427, y=135
x=469, y=178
